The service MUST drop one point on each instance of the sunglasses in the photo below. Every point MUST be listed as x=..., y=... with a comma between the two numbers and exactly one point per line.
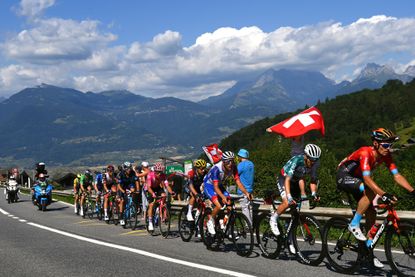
x=228, y=162
x=386, y=145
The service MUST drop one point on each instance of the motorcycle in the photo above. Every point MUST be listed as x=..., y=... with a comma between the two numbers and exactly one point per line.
x=42, y=195
x=11, y=191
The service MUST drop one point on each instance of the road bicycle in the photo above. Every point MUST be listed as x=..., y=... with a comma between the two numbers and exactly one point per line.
x=231, y=225
x=132, y=210
x=188, y=228
x=88, y=205
x=300, y=233
x=113, y=209
x=161, y=217
x=346, y=254
x=99, y=206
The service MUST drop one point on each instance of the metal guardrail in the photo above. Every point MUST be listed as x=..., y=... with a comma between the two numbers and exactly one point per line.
x=320, y=212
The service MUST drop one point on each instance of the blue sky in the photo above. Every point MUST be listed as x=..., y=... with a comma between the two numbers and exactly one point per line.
x=194, y=49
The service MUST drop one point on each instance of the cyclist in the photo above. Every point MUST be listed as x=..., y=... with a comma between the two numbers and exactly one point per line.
x=127, y=180
x=110, y=187
x=86, y=184
x=290, y=176
x=99, y=187
x=214, y=189
x=156, y=184
x=76, y=191
x=354, y=177
x=195, y=177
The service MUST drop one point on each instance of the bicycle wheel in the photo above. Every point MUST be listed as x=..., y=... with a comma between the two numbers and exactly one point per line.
x=131, y=219
x=115, y=213
x=90, y=210
x=269, y=244
x=340, y=246
x=100, y=212
x=186, y=228
x=207, y=238
x=164, y=221
x=308, y=240
x=242, y=235
x=400, y=248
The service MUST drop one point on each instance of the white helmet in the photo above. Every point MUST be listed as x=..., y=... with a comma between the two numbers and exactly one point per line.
x=312, y=151
x=144, y=164
x=228, y=155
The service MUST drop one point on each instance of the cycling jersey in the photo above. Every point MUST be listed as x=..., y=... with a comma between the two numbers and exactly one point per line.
x=110, y=181
x=362, y=161
x=86, y=181
x=296, y=169
x=76, y=183
x=99, y=182
x=217, y=175
x=126, y=181
x=155, y=181
x=195, y=179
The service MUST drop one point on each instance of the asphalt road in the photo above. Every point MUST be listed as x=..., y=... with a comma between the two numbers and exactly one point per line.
x=59, y=243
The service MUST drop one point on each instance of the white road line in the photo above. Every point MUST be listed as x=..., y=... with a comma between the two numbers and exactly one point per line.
x=15, y=217
x=3, y=212
x=22, y=220
x=141, y=252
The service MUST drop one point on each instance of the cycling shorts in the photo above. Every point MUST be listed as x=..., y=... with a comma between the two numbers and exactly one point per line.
x=157, y=191
x=294, y=188
x=211, y=194
x=349, y=183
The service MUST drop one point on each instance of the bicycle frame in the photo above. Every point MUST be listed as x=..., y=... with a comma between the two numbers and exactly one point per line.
x=392, y=219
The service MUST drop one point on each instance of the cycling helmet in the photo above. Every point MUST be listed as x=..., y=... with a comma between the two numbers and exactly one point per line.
x=228, y=155
x=200, y=163
x=159, y=167
x=208, y=166
x=312, y=151
x=110, y=167
x=384, y=135
x=144, y=164
x=87, y=172
x=126, y=165
x=243, y=153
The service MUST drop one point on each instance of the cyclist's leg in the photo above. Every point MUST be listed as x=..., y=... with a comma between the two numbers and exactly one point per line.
x=354, y=186
x=281, y=208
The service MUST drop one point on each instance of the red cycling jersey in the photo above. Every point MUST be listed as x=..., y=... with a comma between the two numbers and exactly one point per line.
x=365, y=157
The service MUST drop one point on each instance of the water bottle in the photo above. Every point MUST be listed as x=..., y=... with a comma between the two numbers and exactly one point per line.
x=373, y=230
x=197, y=214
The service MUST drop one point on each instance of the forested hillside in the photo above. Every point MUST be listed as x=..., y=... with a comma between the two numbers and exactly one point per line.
x=348, y=120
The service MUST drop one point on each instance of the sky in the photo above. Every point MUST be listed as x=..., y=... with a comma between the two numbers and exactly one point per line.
x=195, y=49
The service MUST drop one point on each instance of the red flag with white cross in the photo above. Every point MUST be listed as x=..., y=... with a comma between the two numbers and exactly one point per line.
x=310, y=119
x=213, y=152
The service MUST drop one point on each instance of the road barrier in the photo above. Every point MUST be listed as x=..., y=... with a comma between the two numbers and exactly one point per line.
x=322, y=213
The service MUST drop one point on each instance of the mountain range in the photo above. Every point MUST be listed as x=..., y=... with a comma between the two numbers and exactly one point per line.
x=63, y=126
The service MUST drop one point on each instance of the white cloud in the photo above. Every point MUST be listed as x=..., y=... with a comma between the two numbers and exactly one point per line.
x=56, y=40
x=87, y=59
x=34, y=8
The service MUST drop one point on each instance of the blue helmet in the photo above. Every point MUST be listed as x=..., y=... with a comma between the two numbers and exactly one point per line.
x=243, y=153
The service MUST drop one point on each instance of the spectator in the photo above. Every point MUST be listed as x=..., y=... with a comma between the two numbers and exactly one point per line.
x=246, y=173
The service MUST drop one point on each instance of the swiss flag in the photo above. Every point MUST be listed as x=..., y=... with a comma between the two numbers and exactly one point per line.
x=310, y=119
x=213, y=152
